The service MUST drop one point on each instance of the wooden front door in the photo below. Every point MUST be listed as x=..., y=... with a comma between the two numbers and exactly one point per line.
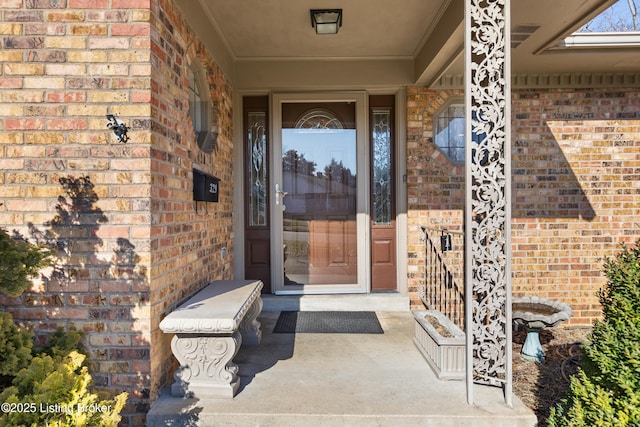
x=319, y=201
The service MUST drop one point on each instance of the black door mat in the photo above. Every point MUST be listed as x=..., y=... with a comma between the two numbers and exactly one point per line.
x=328, y=322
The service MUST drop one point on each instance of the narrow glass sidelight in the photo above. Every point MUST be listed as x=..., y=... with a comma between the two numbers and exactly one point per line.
x=257, y=185
x=382, y=193
x=381, y=142
x=257, y=152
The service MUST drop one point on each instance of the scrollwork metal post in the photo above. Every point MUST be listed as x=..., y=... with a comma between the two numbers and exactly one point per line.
x=487, y=188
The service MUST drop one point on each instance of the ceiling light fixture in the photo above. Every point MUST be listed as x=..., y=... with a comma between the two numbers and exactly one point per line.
x=326, y=21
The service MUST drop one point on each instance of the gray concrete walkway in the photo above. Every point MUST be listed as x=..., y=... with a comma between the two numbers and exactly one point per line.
x=341, y=380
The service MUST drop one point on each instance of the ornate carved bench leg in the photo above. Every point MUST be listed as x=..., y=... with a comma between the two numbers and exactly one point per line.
x=206, y=366
x=250, y=327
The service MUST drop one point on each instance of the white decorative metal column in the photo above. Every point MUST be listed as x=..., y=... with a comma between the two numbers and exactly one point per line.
x=488, y=199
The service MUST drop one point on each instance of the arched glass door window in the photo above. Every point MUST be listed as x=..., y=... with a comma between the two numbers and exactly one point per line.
x=319, y=119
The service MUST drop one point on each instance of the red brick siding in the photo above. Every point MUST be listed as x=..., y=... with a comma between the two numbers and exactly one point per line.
x=131, y=240
x=65, y=181
x=575, y=188
x=186, y=245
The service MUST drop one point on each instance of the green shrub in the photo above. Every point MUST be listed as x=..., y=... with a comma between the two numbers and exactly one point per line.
x=51, y=389
x=54, y=392
x=62, y=342
x=606, y=392
x=15, y=349
x=19, y=262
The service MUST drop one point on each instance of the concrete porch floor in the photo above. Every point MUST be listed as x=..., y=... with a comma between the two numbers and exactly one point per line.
x=341, y=380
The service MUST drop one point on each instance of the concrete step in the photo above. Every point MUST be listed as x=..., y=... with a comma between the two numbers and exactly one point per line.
x=351, y=420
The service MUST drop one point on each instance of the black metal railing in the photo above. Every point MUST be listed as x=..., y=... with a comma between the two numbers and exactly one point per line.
x=444, y=281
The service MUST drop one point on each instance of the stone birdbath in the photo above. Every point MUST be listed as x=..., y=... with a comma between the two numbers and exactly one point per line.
x=535, y=314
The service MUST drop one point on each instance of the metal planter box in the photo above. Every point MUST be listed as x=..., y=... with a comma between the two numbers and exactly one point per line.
x=445, y=355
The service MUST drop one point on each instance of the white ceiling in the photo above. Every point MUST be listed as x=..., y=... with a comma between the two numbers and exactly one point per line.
x=282, y=28
x=425, y=33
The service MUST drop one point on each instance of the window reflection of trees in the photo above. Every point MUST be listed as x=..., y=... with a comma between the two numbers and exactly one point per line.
x=328, y=188
x=292, y=161
x=335, y=171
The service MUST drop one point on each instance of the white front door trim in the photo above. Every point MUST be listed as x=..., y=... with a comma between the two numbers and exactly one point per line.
x=362, y=203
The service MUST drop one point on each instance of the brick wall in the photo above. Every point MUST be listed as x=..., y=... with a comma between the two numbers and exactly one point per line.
x=131, y=243
x=435, y=187
x=575, y=188
x=187, y=241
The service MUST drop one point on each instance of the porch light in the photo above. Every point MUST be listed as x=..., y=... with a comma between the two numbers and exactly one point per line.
x=326, y=21
x=118, y=128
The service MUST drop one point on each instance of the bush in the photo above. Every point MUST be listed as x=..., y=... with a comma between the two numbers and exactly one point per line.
x=606, y=392
x=52, y=388
x=19, y=262
x=62, y=342
x=54, y=392
x=15, y=349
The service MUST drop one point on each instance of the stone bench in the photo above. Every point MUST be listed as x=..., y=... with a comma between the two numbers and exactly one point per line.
x=209, y=329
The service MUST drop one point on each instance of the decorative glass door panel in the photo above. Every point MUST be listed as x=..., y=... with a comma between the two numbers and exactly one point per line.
x=318, y=197
x=257, y=226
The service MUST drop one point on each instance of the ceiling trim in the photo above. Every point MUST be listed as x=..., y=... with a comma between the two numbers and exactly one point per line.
x=201, y=24
x=547, y=81
x=575, y=80
x=445, y=44
x=432, y=28
x=290, y=59
x=322, y=74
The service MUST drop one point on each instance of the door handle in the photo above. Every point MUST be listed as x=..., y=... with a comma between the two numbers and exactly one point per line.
x=279, y=194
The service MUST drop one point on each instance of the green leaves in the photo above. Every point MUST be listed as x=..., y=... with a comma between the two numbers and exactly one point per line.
x=19, y=262
x=57, y=393
x=606, y=392
x=51, y=388
x=15, y=347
